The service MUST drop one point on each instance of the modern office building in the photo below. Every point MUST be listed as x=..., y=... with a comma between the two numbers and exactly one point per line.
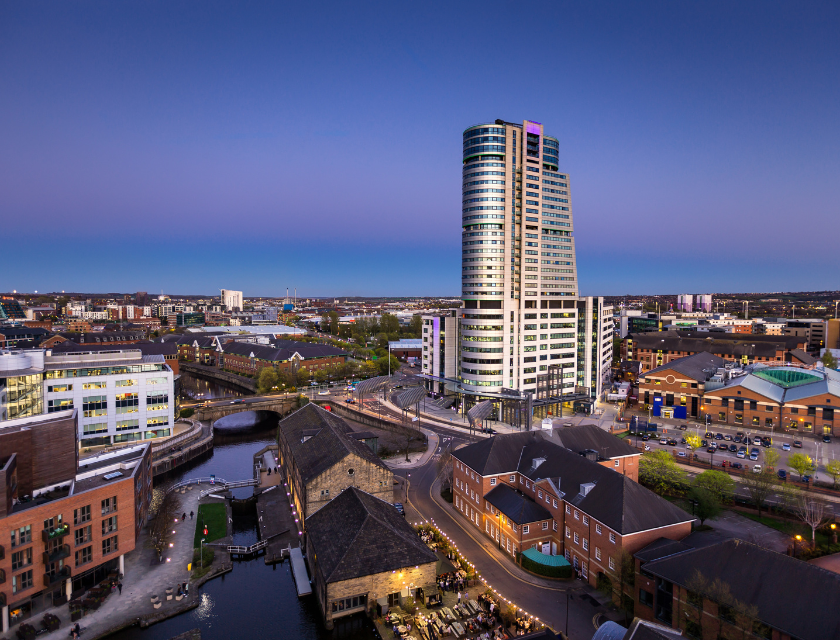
x=122, y=396
x=440, y=350
x=232, y=300
x=519, y=275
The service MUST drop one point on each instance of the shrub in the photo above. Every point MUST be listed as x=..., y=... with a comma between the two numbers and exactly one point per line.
x=188, y=412
x=208, y=554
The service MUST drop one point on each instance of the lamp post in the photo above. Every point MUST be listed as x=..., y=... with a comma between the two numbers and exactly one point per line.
x=796, y=540
x=833, y=533
x=407, y=476
x=201, y=551
x=569, y=596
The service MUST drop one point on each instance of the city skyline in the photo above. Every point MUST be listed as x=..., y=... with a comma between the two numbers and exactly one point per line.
x=201, y=141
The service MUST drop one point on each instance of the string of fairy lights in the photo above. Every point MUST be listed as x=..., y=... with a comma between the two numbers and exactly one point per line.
x=452, y=544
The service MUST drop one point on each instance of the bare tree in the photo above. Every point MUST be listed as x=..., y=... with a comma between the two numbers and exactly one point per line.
x=759, y=486
x=444, y=467
x=160, y=526
x=813, y=512
x=731, y=610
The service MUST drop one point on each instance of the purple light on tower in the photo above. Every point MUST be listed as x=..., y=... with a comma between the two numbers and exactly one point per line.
x=532, y=127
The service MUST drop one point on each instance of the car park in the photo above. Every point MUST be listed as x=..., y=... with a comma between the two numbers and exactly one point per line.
x=797, y=444
x=782, y=474
x=785, y=447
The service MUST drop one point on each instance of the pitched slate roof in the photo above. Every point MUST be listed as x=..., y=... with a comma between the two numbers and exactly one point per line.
x=357, y=534
x=610, y=497
x=699, y=366
x=733, y=344
x=519, y=508
x=590, y=436
x=795, y=597
x=801, y=356
x=280, y=353
x=328, y=442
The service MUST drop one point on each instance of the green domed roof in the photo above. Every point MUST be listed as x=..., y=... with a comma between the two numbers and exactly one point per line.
x=787, y=378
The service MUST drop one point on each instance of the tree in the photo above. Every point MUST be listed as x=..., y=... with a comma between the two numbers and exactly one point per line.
x=444, y=468
x=828, y=360
x=718, y=483
x=730, y=610
x=302, y=376
x=370, y=367
x=833, y=469
x=659, y=472
x=694, y=442
x=416, y=326
x=706, y=503
x=383, y=365
x=813, y=512
x=389, y=323
x=266, y=380
x=771, y=458
x=160, y=527
x=759, y=486
x=320, y=376
x=614, y=582
x=801, y=463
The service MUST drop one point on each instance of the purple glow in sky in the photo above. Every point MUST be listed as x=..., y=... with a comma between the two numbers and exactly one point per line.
x=181, y=146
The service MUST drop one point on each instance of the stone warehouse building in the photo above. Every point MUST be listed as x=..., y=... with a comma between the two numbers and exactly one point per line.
x=655, y=349
x=362, y=553
x=63, y=528
x=321, y=456
x=524, y=491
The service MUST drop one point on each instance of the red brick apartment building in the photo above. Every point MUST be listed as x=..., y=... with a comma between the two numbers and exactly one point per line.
x=657, y=348
x=703, y=589
x=527, y=490
x=63, y=528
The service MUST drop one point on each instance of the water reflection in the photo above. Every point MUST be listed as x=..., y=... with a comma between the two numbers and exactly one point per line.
x=254, y=600
x=195, y=388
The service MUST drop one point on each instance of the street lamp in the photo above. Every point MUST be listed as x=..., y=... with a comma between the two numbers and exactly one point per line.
x=796, y=540
x=201, y=551
x=569, y=596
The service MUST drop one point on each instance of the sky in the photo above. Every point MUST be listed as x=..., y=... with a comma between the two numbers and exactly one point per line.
x=186, y=147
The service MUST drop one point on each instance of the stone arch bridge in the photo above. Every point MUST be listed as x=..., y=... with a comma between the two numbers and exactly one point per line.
x=279, y=404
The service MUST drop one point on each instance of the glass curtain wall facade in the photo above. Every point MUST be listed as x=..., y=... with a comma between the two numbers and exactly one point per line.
x=519, y=273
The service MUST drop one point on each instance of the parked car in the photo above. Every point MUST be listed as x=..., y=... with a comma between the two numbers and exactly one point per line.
x=753, y=456
x=785, y=447
x=683, y=441
x=672, y=442
x=756, y=440
x=739, y=433
x=737, y=465
x=797, y=444
x=782, y=474
x=727, y=437
x=733, y=448
x=736, y=439
x=681, y=454
x=712, y=448
x=683, y=427
x=718, y=436
x=704, y=443
x=709, y=434
x=400, y=509
x=645, y=438
x=756, y=468
x=663, y=440
x=766, y=442
x=826, y=438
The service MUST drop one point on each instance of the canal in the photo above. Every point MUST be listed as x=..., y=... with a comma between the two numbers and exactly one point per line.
x=254, y=600
x=197, y=388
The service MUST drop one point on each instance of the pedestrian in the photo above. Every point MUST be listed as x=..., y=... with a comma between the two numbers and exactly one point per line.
x=466, y=596
x=119, y=586
x=269, y=471
x=191, y=515
x=183, y=517
x=459, y=597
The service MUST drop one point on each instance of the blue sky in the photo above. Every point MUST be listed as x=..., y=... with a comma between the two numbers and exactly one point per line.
x=189, y=146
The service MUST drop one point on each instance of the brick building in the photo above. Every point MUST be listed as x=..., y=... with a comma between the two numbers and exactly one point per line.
x=285, y=355
x=63, y=528
x=526, y=490
x=680, y=385
x=362, y=553
x=321, y=456
x=655, y=349
x=759, y=593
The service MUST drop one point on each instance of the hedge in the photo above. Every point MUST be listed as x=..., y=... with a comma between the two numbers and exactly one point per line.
x=564, y=572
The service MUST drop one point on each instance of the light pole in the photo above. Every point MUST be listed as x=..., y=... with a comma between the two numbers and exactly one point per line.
x=569, y=596
x=407, y=476
x=201, y=551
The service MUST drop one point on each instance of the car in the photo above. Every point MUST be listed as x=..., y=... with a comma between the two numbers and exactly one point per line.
x=756, y=468
x=739, y=433
x=737, y=465
x=704, y=443
x=733, y=448
x=782, y=474
x=488, y=430
x=806, y=478
x=753, y=456
x=663, y=440
x=712, y=448
x=681, y=454
x=683, y=441
x=755, y=451
x=756, y=440
x=683, y=427
x=709, y=434
x=727, y=437
x=237, y=401
x=826, y=438
x=645, y=438
x=797, y=444
x=785, y=447
x=741, y=454
x=672, y=442
x=647, y=447
x=400, y=509
x=349, y=401
x=718, y=436
x=766, y=442
x=324, y=393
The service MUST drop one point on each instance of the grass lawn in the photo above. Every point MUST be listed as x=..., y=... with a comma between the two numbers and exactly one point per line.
x=789, y=528
x=213, y=515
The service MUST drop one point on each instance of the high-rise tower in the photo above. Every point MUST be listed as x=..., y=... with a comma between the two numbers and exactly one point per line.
x=519, y=275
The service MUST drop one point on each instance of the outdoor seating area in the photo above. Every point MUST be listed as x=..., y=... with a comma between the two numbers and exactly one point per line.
x=90, y=600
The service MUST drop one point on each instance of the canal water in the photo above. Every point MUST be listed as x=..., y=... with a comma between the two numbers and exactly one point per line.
x=195, y=388
x=254, y=601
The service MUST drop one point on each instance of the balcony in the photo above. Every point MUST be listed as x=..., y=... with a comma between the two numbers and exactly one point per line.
x=2, y=577
x=53, y=578
x=61, y=552
x=59, y=532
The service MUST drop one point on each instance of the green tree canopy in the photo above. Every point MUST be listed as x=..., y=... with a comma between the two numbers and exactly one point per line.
x=389, y=323
x=718, y=483
x=302, y=376
x=833, y=469
x=828, y=360
x=266, y=380
x=801, y=463
x=659, y=472
x=383, y=365
x=706, y=503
